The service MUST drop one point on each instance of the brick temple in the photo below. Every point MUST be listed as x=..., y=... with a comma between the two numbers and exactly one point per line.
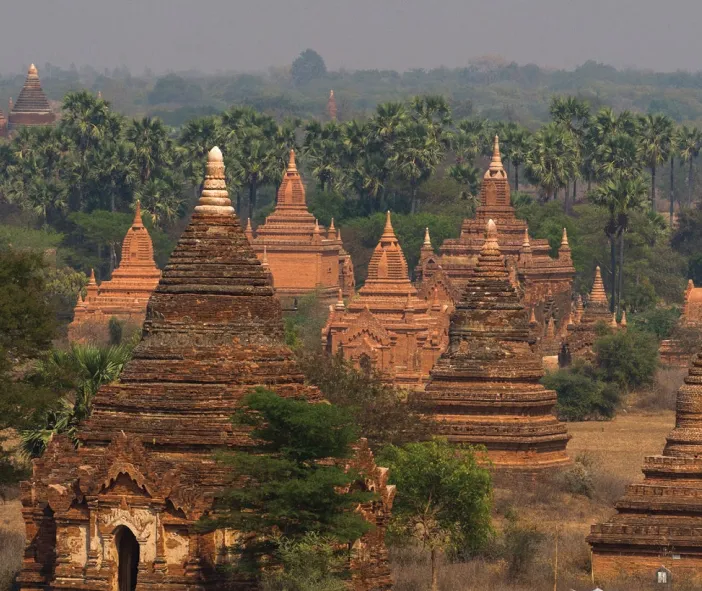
x=304, y=257
x=387, y=326
x=125, y=295
x=32, y=107
x=587, y=324
x=659, y=520
x=120, y=511
x=485, y=388
x=544, y=283
x=675, y=351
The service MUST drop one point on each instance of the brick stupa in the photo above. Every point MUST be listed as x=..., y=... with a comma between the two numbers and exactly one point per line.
x=485, y=388
x=659, y=520
x=544, y=283
x=126, y=294
x=32, y=107
x=387, y=326
x=120, y=511
x=304, y=257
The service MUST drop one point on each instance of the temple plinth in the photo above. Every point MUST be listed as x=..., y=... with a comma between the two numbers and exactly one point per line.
x=545, y=283
x=32, y=107
x=485, y=388
x=659, y=520
x=304, y=257
x=127, y=501
x=126, y=294
x=387, y=326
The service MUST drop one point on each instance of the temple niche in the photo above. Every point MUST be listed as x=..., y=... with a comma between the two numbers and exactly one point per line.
x=659, y=520
x=120, y=511
x=304, y=257
x=678, y=349
x=387, y=326
x=485, y=388
x=32, y=107
x=544, y=284
x=123, y=297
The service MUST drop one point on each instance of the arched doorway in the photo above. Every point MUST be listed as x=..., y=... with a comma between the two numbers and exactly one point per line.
x=127, y=559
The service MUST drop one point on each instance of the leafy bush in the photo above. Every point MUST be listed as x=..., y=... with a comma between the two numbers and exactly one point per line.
x=582, y=395
x=659, y=321
x=578, y=479
x=521, y=548
x=116, y=329
x=627, y=358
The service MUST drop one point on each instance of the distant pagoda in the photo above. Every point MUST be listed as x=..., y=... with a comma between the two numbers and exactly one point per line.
x=126, y=294
x=485, y=389
x=658, y=522
x=544, y=283
x=304, y=257
x=331, y=106
x=32, y=107
x=387, y=326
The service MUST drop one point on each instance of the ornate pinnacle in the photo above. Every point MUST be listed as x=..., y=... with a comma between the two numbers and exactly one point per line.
x=215, y=197
x=564, y=240
x=137, y=223
x=427, y=238
x=490, y=246
x=598, y=294
x=388, y=232
x=292, y=166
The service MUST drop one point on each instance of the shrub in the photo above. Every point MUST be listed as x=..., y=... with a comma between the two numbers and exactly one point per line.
x=658, y=321
x=581, y=394
x=116, y=329
x=627, y=358
x=521, y=549
x=578, y=479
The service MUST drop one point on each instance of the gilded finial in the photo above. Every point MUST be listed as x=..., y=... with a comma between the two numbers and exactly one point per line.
x=427, y=238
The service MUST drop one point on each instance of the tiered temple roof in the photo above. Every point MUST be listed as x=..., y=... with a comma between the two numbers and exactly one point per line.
x=304, y=257
x=146, y=466
x=387, y=325
x=32, y=106
x=545, y=283
x=126, y=294
x=485, y=389
x=659, y=520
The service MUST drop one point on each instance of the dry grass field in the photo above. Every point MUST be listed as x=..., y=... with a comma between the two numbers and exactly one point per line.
x=613, y=453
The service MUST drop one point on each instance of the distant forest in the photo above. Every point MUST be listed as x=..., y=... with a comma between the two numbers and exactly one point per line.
x=490, y=88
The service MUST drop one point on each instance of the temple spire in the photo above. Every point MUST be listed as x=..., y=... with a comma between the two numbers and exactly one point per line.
x=598, y=294
x=215, y=197
x=331, y=106
x=292, y=165
x=490, y=246
x=137, y=223
x=249, y=230
x=388, y=231
x=427, y=238
x=496, y=167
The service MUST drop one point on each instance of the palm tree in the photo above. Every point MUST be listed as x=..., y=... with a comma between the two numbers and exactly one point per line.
x=655, y=135
x=323, y=151
x=689, y=144
x=81, y=369
x=515, y=144
x=552, y=159
x=619, y=194
x=573, y=115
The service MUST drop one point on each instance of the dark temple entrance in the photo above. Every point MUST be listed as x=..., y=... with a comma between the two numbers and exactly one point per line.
x=127, y=559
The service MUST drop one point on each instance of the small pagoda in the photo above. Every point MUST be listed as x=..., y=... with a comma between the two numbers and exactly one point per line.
x=304, y=257
x=387, y=326
x=485, y=388
x=125, y=295
x=675, y=351
x=658, y=522
x=586, y=326
x=121, y=510
x=32, y=107
x=544, y=283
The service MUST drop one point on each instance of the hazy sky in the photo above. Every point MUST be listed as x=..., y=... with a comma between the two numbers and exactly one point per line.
x=400, y=34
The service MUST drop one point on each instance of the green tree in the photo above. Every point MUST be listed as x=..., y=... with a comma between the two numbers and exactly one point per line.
x=690, y=144
x=552, y=160
x=620, y=194
x=627, y=358
x=443, y=498
x=515, y=143
x=308, y=66
x=654, y=141
x=296, y=481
